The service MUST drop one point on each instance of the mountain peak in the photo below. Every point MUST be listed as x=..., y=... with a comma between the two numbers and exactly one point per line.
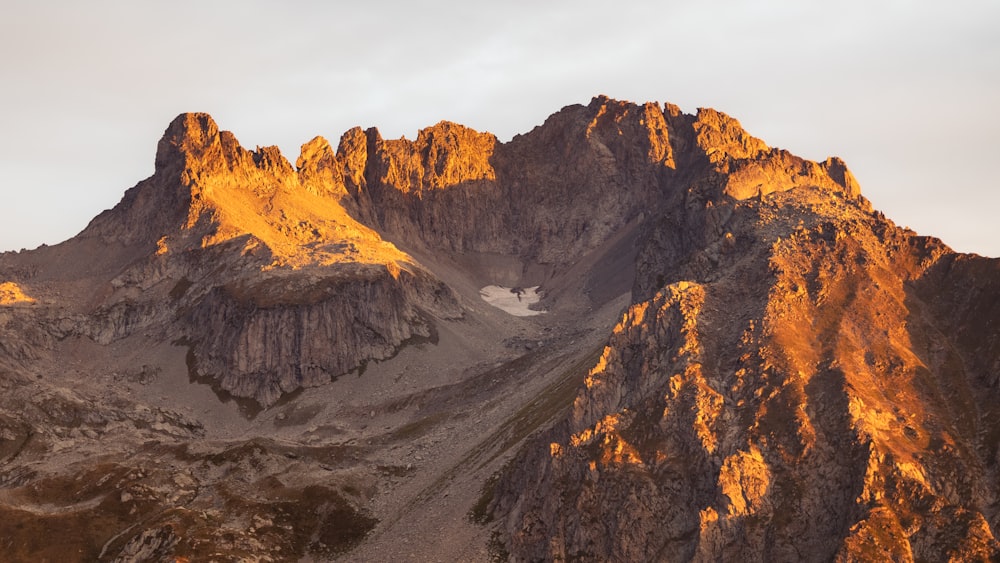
x=721, y=136
x=315, y=154
x=192, y=134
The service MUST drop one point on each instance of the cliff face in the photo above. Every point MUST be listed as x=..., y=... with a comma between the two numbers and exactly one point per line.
x=791, y=376
x=269, y=338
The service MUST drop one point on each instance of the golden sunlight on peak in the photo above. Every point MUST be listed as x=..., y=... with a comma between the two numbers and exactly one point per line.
x=298, y=227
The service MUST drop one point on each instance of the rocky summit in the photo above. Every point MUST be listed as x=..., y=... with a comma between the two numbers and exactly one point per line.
x=630, y=334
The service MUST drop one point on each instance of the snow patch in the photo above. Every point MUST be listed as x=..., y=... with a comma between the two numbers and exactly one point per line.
x=512, y=300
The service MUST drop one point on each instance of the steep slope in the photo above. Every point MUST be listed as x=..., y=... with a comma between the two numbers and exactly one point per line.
x=738, y=358
x=796, y=379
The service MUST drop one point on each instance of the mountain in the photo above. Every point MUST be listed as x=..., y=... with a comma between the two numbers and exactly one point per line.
x=733, y=357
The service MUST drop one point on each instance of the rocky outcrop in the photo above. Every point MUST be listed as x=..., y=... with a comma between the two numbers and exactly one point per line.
x=266, y=338
x=12, y=294
x=779, y=390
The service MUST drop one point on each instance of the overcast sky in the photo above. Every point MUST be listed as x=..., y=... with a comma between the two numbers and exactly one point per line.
x=907, y=92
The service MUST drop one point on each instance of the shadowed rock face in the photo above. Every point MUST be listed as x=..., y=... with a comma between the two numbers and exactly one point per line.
x=792, y=376
x=271, y=338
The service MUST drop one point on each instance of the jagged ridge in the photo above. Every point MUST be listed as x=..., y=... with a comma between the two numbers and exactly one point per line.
x=452, y=189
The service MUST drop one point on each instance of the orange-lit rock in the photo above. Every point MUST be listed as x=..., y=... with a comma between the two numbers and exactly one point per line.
x=807, y=388
x=12, y=294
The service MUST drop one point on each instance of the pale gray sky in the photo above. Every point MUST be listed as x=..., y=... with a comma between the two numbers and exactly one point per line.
x=907, y=92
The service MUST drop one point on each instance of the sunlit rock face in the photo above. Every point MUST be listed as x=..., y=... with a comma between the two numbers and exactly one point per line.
x=12, y=294
x=790, y=383
x=629, y=334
